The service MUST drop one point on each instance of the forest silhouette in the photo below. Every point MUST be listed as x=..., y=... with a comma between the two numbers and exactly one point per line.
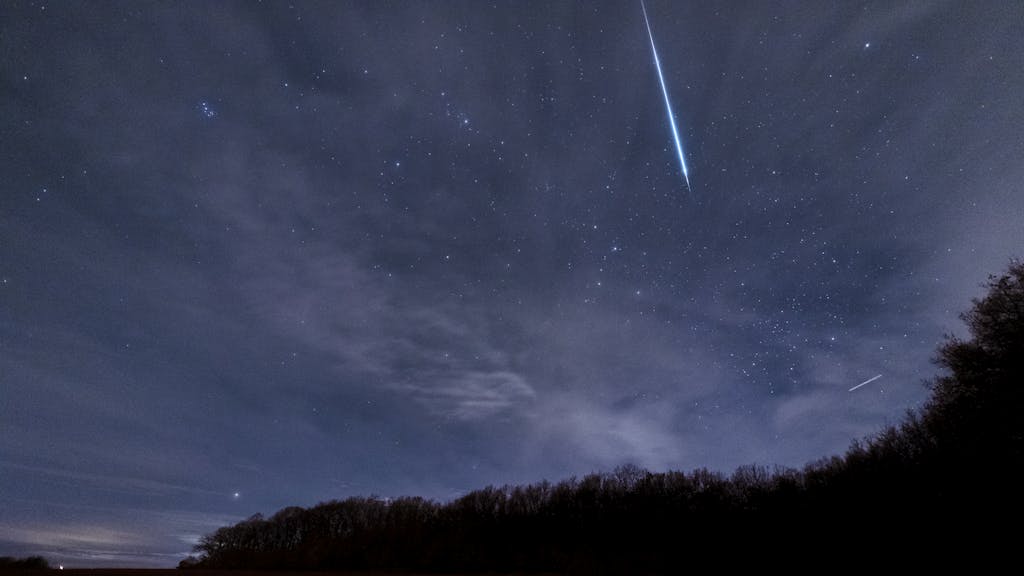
x=31, y=563
x=947, y=475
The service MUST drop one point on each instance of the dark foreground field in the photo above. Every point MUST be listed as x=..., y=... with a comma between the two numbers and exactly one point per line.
x=172, y=572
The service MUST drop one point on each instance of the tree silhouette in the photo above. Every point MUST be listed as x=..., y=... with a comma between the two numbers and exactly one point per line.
x=945, y=473
x=9, y=564
x=982, y=393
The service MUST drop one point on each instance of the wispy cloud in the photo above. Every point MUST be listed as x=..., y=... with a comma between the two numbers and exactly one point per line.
x=111, y=536
x=117, y=484
x=472, y=395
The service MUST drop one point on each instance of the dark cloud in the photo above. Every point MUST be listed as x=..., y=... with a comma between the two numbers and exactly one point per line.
x=306, y=252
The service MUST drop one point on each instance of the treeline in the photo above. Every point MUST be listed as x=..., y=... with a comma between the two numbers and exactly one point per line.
x=948, y=472
x=10, y=564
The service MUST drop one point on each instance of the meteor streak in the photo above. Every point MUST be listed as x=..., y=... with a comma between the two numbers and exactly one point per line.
x=668, y=105
x=868, y=381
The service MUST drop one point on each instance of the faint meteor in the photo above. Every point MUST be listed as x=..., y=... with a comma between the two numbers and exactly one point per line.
x=868, y=381
x=668, y=105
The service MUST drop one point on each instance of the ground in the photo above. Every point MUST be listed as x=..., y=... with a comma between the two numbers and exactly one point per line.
x=173, y=572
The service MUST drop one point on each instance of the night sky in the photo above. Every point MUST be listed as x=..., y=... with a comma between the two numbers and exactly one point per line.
x=259, y=255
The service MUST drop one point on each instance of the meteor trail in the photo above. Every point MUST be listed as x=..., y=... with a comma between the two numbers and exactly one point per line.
x=668, y=105
x=868, y=381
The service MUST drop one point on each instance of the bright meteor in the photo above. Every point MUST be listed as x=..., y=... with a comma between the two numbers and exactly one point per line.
x=668, y=105
x=868, y=381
